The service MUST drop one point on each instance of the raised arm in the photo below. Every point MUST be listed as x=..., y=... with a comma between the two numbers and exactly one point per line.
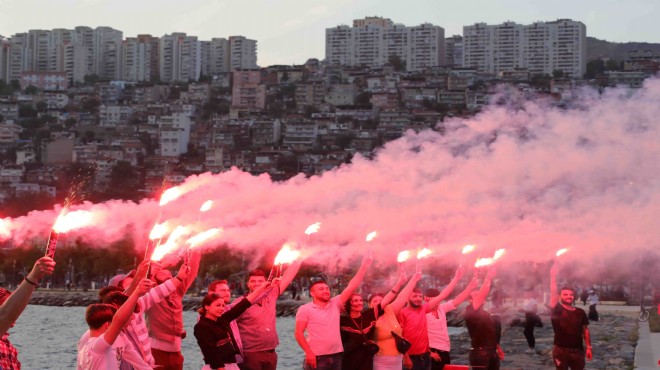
x=140, y=274
x=259, y=291
x=290, y=274
x=356, y=280
x=18, y=300
x=195, y=259
x=435, y=301
x=404, y=294
x=125, y=312
x=554, y=297
x=392, y=293
x=480, y=298
x=465, y=294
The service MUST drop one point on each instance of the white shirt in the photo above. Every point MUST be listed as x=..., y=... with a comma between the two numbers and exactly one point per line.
x=95, y=353
x=437, y=327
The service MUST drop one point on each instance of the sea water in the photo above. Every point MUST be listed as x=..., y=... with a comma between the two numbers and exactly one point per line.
x=46, y=338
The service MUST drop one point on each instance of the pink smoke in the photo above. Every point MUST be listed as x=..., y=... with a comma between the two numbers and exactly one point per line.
x=531, y=180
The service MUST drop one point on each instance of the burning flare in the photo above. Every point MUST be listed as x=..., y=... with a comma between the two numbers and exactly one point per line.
x=423, y=253
x=68, y=221
x=5, y=225
x=202, y=237
x=313, y=228
x=481, y=262
x=498, y=254
x=561, y=251
x=286, y=255
x=206, y=206
x=371, y=235
x=171, y=244
x=158, y=231
x=170, y=195
x=403, y=256
x=469, y=248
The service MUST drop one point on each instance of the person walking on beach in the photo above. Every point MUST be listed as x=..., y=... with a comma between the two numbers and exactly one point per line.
x=532, y=320
x=320, y=319
x=592, y=301
x=570, y=325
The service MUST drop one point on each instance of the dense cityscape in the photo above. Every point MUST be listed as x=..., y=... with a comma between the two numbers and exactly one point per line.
x=100, y=125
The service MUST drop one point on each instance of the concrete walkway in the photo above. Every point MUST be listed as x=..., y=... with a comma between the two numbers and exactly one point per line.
x=647, y=352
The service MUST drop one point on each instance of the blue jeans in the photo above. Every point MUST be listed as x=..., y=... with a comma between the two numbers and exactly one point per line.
x=327, y=362
x=484, y=358
x=421, y=362
x=565, y=358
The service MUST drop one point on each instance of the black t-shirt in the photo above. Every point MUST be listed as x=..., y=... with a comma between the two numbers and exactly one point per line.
x=481, y=327
x=354, y=331
x=568, y=326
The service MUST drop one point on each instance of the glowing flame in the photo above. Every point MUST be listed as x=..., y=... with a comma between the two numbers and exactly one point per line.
x=561, y=251
x=170, y=195
x=423, y=253
x=5, y=225
x=202, y=237
x=371, y=235
x=313, y=228
x=498, y=254
x=206, y=206
x=68, y=221
x=468, y=249
x=171, y=244
x=286, y=255
x=158, y=231
x=403, y=256
x=481, y=262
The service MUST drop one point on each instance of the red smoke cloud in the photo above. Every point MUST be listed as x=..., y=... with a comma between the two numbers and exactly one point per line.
x=533, y=180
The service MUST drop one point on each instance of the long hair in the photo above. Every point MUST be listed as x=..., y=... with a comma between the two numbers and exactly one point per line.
x=208, y=299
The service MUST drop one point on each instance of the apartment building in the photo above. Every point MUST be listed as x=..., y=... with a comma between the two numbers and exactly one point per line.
x=373, y=40
x=242, y=53
x=174, y=134
x=541, y=47
x=180, y=57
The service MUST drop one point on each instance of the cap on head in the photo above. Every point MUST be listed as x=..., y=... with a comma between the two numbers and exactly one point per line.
x=115, y=281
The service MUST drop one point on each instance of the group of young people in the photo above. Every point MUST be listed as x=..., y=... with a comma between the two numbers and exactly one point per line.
x=138, y=323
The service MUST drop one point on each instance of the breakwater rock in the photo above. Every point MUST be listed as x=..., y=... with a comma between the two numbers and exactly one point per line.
x=44, y=297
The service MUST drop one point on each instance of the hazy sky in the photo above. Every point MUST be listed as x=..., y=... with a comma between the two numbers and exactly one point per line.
x=291, y=31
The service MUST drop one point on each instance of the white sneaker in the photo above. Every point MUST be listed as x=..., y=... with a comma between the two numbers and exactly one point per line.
x=530, y=350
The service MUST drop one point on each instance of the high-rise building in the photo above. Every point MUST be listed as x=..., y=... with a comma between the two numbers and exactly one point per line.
x=106, y=53
x=153, y=55
x=136, y=60
x=17, y=56
x=180, y=57
x=454, y=51
x=542, y=47
x=372, y=41
x=242, y=53
x=40, y=49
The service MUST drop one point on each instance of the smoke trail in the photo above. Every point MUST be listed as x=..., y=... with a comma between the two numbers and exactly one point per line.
x=532, y=179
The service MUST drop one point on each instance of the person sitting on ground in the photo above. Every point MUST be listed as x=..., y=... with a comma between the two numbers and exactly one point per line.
x=213, y=332
x=14, y=305
x=103, y=350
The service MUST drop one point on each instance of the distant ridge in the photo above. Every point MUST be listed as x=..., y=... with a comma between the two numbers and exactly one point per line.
x=616, y=50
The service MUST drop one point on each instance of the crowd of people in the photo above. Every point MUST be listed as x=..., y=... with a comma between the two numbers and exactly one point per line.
x=138, y=322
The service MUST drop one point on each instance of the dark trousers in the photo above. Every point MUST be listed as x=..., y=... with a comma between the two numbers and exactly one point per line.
x=532, y=320
x=421, y=362
x=327, y=362
x=568, y=358
x=484, y=358
x=444, y=359
x=259, y=360
x=168, y=360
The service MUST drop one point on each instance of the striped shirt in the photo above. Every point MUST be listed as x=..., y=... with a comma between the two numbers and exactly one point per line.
x=136, y=330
